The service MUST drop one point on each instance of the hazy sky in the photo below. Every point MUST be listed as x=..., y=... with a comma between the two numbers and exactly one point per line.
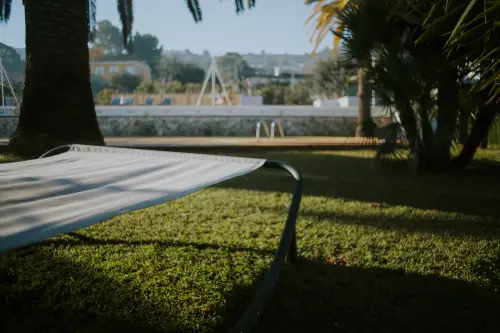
x=276, y=26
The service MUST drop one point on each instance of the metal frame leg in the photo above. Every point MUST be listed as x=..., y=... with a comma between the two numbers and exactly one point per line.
x=286, y=248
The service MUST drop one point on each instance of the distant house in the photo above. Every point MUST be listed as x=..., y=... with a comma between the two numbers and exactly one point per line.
x=283, y=75
x=107, y=69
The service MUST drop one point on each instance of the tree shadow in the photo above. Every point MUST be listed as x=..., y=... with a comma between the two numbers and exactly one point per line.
x=40, y=292
x=80, y=239
x=485, y=229
x=317, y=297
x=472, y=192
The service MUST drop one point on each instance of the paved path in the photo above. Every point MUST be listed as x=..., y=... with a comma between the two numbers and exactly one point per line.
x=302, y=141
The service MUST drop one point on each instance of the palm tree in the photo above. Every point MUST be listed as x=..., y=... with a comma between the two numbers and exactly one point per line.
x=473, y=33
x=421, y=69
x=417, y=78
x=57, y=106
x=326, y=13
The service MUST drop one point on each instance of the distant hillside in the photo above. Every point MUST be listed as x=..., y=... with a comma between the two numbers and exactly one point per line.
x=21, y=52
x=11, y=60
x=263, y=60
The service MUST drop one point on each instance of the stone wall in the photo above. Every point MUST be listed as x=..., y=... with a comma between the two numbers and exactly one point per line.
x=212, y=126
x=7, y=126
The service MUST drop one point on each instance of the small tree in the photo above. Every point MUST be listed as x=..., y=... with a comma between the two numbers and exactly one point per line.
x=273, y=95
x=172, y=69
x=232, y=66
x=299, y=94
x=125, y=82
x=176, y=87
x=331, y=77
x=286, y=95
x=147, y=88
x=104, y=97
x=190, y=73
x=193, y=87
x=98, y=84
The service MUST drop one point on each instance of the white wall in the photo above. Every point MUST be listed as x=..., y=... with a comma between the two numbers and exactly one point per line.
x=221, y=111
x=348, y=101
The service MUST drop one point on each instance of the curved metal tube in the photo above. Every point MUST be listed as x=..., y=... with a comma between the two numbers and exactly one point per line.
x=286, y=248
x=56, y=150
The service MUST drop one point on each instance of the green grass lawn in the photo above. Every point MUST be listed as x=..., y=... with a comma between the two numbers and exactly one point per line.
x=381, y=250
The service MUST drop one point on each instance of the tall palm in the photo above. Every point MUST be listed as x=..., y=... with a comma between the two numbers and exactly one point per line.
x=421, y=80
x=57, y=106
x=325, y=14
x=473, y=32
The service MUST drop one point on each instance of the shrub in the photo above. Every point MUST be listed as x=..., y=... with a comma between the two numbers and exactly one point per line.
x=125, y=82
x=104, y=97
x=98, y=84
x=147, y=88
x=286, y=95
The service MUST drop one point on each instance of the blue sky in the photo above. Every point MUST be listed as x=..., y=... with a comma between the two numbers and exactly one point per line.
x=276, y=26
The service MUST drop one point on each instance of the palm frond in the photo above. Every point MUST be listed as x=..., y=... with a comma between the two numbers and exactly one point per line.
x=92, y=19
x=126, y=14
x=472, y=32
x=194, y=8
x=5, y=10
x=239, y=6
x=462, y=18
x=325, y=13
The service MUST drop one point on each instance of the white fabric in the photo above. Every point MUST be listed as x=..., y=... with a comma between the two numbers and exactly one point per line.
x=86, y=185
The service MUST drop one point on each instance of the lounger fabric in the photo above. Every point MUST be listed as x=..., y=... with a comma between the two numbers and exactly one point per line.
x=86, y=185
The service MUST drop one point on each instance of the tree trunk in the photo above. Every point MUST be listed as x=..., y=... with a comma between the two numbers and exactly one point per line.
x=447, y=117
x=365, y=126
x=484, y=119
x=464, y=126
x=57, y=106
x=484, y=142
x=408, y=121
x=426, y=149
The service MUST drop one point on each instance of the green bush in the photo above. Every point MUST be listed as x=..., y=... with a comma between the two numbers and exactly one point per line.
x=286, y=95
x=494, y=134
x=98, y=84
x=125, y=83
x=147, y=88
x=176, y=87
x=298, y=95
x=193, y=87
x=273, y=95
x=104, y=97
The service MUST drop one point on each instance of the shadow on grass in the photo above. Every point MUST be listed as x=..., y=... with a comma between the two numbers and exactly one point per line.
x=42, y=293
x=80, y=239
x=473, y=192
x=484, y=229
x=318, y=297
